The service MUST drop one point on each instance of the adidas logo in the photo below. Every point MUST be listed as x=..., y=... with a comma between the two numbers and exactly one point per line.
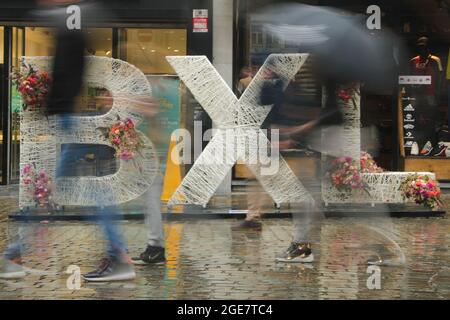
x=408, y=126
x=409, y=107
x=408, y=144
x=409, y=117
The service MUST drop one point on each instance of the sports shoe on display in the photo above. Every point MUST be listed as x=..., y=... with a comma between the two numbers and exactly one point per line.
x=447, y=152
x=440, y=150
x=414, y=149
x=151, y=255
x=427, y=149
x=297, y=253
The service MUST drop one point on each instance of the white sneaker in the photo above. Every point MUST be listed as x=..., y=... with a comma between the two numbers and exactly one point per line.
x=10, y=270
x=427, y=148
x=415, y=149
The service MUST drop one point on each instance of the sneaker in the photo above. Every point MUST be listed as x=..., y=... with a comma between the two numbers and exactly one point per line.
x=447, y=152
x=10, y=269
x=415, y=149
x=297, y=252
x=440, y=150
x=427, y=149
x=151, y=255
x=111, y=270
x=248, y=225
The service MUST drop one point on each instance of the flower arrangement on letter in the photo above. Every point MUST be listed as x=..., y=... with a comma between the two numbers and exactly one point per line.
x=346, y=176
x=33, y=86
x=39, y=185
x=368, y=165
x=347, y=93
x=423, y=190
x=124, y=139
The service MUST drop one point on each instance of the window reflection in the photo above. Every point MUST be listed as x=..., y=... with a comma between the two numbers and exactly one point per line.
x=147, y=48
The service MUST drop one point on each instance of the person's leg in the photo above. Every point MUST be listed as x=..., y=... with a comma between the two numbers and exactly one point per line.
x=254, y=204
x=116, y=245
x=12, y=256
x=153, y=218
x=11, y=262
x=154, y=252
x=304, y=218
x=118, y=265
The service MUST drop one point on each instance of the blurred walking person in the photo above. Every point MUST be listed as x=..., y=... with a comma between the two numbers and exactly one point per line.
x=68, y=71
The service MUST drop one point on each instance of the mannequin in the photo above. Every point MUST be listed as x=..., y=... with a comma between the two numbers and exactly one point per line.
x=427, y=96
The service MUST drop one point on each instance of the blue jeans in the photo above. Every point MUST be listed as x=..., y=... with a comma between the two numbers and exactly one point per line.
x=116, y=244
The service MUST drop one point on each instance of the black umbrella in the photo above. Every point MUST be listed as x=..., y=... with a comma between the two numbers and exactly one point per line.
x=347, y=50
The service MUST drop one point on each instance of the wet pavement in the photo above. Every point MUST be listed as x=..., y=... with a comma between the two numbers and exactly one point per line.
x=209, y=260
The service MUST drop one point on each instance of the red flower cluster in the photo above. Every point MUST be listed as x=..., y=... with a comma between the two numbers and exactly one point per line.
x=345, y=175
x=368, y=165
x=423, y=190
x=345, y=94
x=39, y=185
x=32, y=85
x=125, y=139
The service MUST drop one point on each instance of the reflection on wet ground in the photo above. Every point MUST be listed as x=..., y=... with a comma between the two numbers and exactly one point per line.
x=207, y=260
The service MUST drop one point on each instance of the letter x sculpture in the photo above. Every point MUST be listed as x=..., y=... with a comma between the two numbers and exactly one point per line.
x=238, y=121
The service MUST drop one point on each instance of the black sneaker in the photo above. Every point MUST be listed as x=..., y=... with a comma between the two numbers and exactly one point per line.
x=248, y=225
x=440, y=150
x=297, y=252
x=151, y=255
x=111, y=270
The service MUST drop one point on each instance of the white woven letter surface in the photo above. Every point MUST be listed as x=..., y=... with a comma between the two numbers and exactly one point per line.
x=42, y=137
x=237, y=123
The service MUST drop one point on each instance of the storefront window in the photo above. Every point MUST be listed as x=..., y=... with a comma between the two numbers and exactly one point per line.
x=100, y=42
x=39, y=41
x=404, y=124
x=147, y=48
x=2, y=65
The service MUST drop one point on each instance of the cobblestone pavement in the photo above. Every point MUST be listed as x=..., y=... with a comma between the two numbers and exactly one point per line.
x=208, y=260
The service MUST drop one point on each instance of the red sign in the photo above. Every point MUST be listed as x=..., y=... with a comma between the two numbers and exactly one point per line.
x=200, y=20
x=200, y=24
